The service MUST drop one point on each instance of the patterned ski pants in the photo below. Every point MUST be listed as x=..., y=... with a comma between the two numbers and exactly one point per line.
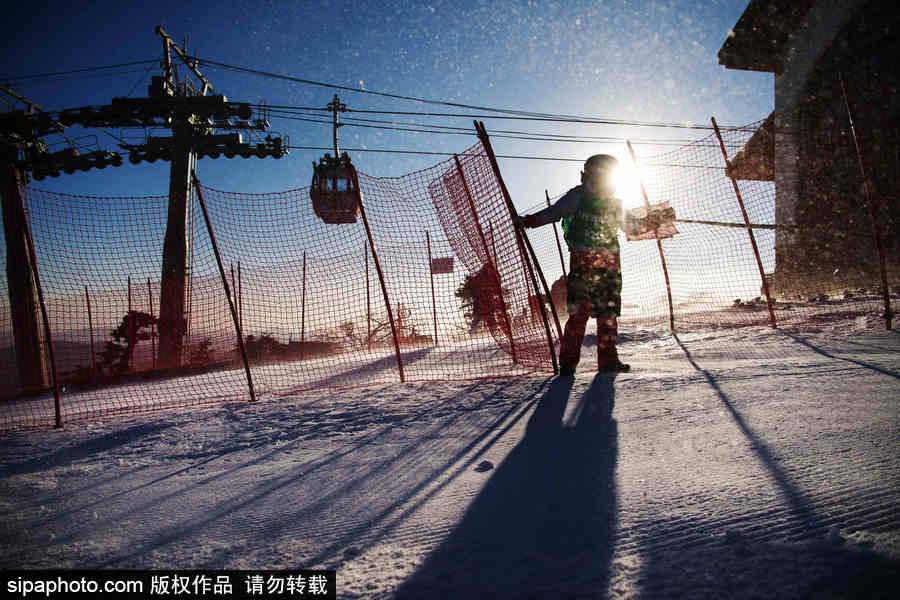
x=594, y=288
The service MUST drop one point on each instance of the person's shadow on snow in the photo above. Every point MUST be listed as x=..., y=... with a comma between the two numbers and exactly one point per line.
x=544, y=524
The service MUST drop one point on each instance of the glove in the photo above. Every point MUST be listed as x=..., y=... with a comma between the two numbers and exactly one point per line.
x=529, y=221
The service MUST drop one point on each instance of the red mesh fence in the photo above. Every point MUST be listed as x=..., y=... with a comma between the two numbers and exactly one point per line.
x=713, y=271
x=312, y=308
x=307, y=294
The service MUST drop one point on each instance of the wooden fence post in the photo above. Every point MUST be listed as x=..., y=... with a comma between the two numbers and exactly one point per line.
x=234, y=316
x=662, y=257
x=522, y=242
x=740, y=199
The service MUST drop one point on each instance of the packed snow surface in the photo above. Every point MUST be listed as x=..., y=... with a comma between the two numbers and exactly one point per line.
x=736, y=463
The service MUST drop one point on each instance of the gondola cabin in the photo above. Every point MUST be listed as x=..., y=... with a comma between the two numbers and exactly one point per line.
x=335, y=191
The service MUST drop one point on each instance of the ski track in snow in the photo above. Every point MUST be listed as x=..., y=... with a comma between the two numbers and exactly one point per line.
x=735, y=463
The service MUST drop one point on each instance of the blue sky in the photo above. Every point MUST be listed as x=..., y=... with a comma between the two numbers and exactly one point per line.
x=636, y=61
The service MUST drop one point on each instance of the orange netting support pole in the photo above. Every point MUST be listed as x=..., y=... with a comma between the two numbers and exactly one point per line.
x=737, y=192
x=368, y=301
x=240, y=297
x=521, y=241
x=876, y=230
x=57, y=405
x=506, y=319
x=90, y=316
x=131, y=329
x=433, y=299
x=152, y=325
x=662, y=257
x=387, y=302
x=234, y=316
x=303, y=310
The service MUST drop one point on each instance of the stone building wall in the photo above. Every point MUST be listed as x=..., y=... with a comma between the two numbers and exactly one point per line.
x=825, y=241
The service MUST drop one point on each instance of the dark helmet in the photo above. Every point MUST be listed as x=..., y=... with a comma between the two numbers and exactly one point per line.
x=602, y=163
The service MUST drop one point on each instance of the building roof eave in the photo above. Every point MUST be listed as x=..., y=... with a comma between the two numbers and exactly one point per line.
x=757, y=41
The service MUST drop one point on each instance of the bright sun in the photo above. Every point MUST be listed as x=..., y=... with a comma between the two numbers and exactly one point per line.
x=628, y=185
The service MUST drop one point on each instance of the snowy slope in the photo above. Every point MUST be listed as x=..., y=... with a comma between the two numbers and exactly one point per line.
x=730, y=463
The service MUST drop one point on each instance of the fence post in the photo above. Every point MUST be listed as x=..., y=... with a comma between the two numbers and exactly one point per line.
x=303, y=310
x=387, y=302
x=32, y=255
x=662, y=257
x=132, y=338
x=87, y=298
x=368, y=300
x=740, y=199
x=240, y=295
x=234, y=316
x=431, y=273
x=876, y=230
x=522, y=241
x=487, y=256
x=152, y=326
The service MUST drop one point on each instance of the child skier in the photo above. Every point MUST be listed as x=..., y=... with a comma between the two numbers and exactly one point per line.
x=591, y=217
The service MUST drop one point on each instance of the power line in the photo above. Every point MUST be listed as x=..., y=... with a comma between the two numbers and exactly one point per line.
x=456, y=130
x=519, y=113
x=511, y=156
x=138, y=82
x=85, y=70
x=504, y=134
x=467, y=130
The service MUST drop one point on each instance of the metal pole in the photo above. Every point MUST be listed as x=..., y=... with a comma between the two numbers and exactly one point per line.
x=87, y=298
x=387, y=302
x=522, y=241
x=131, y=336
x=152, y=326
x=234, y=316
x=240, y=294
x=57, y=405
x=368, y=300
x=876, y=230
x=487, y=256
x=172, y=321
x=303, y=309
x=431, y=273
x=26, y=326
x=662, y=257
x=562, y=261
x=740, y=199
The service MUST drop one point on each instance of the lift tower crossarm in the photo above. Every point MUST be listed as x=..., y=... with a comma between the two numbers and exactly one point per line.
x=170, y=43
x=31, y=105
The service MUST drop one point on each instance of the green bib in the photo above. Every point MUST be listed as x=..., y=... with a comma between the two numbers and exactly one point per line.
x=595, y=224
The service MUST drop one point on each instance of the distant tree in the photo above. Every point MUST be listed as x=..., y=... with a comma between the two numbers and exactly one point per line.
x=118, y=352
x=264, y=347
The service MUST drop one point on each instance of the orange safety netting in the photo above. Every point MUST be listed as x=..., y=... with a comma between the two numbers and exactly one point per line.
x=307, y=294
x=310, y=302
x=714, y=276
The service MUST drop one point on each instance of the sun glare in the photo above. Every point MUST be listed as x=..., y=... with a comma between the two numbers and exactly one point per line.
x=628, y=185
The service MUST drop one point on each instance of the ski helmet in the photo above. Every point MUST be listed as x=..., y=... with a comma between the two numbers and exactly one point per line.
x=601, y=163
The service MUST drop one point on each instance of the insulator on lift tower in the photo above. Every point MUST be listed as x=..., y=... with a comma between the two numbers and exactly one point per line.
x=335, y=190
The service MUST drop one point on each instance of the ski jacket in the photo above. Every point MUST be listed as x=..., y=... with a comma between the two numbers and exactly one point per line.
x=590, y=222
